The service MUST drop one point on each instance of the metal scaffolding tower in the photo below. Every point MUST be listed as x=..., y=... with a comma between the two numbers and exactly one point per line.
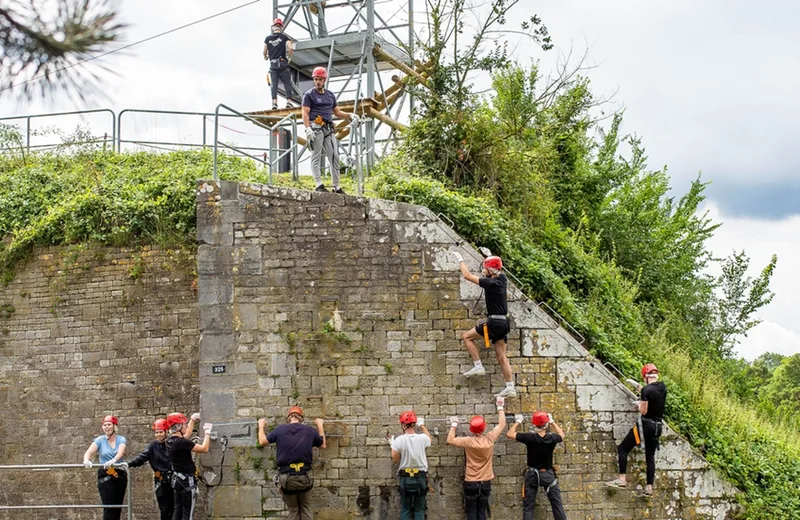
x=357, y=41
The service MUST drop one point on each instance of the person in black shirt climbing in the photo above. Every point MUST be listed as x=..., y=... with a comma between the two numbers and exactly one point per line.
x=495, y=329
x=180, y=449
x=647, y=430
x=540, y=472
x=278, y=49
x=156, y=455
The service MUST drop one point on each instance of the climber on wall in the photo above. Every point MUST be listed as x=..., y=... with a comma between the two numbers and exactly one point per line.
x=112, y=481
x=495, y=329
x=278, y=49
x=479, y=448
x=647, y=430
x=180, y=449
x=156, y=455
x=408, y=450
x=295, y=455
x=540, y=472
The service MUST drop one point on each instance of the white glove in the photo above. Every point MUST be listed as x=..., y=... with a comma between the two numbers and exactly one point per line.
x=518, y=418
x=390, y=440
x=354, y=119
x=310, y=134
x=633, y=383
x=87, y=463
x=196, y=416
x=458, y=256
x=207, y=428
x=500, y=402
x=549, y=418
x=108, y=464
x=124, y=465
x=454, y=422
x=420, y=421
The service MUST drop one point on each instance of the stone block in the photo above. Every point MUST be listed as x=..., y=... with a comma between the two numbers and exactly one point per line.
x=235, y=501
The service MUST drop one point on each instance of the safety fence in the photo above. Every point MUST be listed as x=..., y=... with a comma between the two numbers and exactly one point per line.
x=281, y=152
x=49, y=467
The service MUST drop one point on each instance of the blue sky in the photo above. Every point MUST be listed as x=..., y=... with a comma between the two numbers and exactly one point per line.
x=710, y=86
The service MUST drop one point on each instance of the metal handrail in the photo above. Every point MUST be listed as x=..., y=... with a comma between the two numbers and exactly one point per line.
x=28, y=118
x=258, y=122
x=47, y=467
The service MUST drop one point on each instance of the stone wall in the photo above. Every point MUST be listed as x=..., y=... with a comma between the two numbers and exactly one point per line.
x=352, y=308
x=83, y=333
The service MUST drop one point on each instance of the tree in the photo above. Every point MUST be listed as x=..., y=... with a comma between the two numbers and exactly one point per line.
x=741, y=297
x=42, y=41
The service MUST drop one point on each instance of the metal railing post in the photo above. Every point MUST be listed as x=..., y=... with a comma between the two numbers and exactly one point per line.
x=28, y=134
x=216, y=138
x=130, y=496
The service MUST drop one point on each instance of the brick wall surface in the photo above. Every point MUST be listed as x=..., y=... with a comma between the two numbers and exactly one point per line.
x=353, y=308
x=83, y=333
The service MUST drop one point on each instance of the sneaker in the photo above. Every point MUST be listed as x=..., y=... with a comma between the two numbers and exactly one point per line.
x=289, y=105
x=340, y=191
x=274, y=106
x=507, y=392
x=475, y=371
x=321, y=188
x=616, y=483
x=644, y=493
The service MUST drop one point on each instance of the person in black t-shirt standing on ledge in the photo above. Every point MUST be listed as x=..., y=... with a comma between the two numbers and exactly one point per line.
x=295, y=455
x=278, y=49
x=496, y=327
x=156, y=455
x=540, y=472
x=180, y=449
x=647, y=430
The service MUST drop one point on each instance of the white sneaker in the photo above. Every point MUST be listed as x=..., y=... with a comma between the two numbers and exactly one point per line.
x=475, y=371
x=507, y=392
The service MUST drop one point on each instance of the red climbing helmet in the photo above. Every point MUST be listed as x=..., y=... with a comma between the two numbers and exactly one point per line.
x=648, y=368
x=295, y=410
x=320, y=72
x=110, y=418
x=477, y=424
x=176, y=418
x=540, y=419
x=277, y=21
x=160, y=424
x=493, y=262
x=408, y=417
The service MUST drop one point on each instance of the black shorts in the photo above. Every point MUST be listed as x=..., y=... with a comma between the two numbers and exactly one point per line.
x=498, y=329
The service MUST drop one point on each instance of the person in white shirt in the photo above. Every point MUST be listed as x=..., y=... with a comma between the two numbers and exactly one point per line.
x=408, y=450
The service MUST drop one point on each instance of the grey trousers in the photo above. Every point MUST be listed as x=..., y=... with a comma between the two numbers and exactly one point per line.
x=328, y=145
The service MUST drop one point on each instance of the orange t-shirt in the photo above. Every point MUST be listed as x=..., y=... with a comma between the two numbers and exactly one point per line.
x=480, y=450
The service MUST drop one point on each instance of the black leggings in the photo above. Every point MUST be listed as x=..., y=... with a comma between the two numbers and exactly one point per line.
x=112, y=492
x=164, y=497
x=185, y=490
x=476, y=500
x=652, y=431
x=534, y=479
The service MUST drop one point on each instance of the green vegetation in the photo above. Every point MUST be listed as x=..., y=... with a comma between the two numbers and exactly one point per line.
x=568, y=202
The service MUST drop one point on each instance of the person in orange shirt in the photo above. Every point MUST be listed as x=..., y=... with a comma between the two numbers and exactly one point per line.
x=479, y=448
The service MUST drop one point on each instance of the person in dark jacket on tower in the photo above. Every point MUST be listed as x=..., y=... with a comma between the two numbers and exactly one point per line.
x=647, y=429
x=156, y=455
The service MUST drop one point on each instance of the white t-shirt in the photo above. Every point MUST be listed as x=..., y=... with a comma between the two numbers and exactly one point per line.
x=411, y=447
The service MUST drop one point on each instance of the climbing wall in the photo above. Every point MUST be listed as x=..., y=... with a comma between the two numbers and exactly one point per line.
x=352, y=308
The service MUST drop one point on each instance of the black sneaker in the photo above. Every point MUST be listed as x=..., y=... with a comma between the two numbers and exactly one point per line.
x=340, y=191
x=275, y=106
x=321, y=187
x=289, y=105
